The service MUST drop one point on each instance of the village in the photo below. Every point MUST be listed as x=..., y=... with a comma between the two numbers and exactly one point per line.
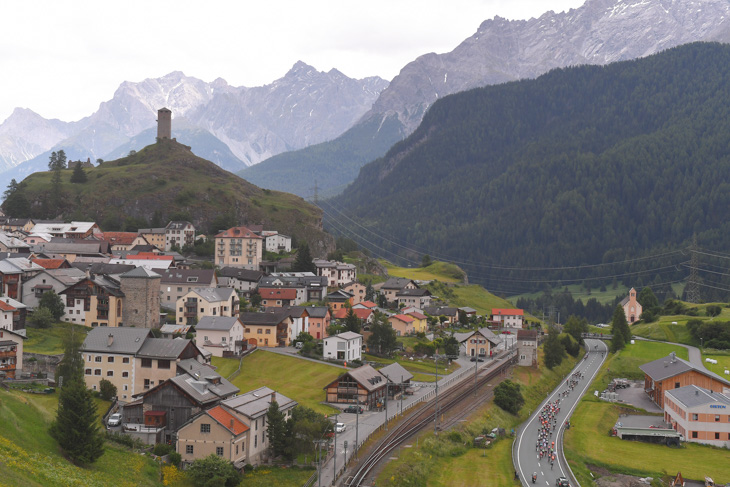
x=157, y=323
x=156, y=320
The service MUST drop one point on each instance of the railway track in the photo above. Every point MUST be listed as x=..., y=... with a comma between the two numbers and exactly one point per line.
x=425, y=416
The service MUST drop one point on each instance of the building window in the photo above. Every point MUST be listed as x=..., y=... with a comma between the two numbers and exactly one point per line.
x=189, y=449
x=268, y=331
x=717, y=436
x=147, y=363
x=694, y=434
x=97, y=358
x=219, y=451
x=110, y=360
x=676, y=385
x=97, y=371
x=717, y=417
x=87, y=371
x=110, y=373
x=258, y=331
x=125, y=360
x=694, y=417
x=205, y=427
x=125, y=374
x=163, y=364
x=126, y=387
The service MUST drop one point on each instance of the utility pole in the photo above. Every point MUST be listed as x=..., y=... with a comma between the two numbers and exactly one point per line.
x=357, y=423
x=475, y=376
x=387, y=389
x=436, y=411
x=402, y=393
x=693, y=283
x=334, y=456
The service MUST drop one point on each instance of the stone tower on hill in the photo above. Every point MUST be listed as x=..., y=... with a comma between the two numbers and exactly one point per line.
x=164, y=123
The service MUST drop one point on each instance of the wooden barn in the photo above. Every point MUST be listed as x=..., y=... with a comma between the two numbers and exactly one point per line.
x=172, y=403
x=365, y=382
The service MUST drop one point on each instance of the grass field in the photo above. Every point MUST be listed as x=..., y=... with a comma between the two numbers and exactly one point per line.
x=277, y=477
x=442, y=271
x=723, y=361
x=301, y=380
x=626, y=364
x=435, y=465
x=425, y=369
x=30, y=457
x=665, y=330
x=588, y=443
x=603, y=297
x=49, y=341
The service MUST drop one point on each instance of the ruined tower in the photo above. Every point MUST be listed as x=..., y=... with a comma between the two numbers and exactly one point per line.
x=164, y=123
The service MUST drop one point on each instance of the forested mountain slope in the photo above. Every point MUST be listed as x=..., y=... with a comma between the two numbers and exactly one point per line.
x=581, y=165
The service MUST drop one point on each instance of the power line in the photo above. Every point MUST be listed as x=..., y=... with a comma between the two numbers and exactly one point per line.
x=488, y=265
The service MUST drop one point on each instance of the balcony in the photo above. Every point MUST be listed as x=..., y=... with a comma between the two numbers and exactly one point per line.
x=8, y=354
x=190, y=314
x=102, y=307
x=7, y=366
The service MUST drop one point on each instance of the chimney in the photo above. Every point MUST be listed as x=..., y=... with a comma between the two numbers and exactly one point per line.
x=673, y=357
x=697, y=393
x=231, y=423
x=110, y=340
x=666, y=364
x=273, y=397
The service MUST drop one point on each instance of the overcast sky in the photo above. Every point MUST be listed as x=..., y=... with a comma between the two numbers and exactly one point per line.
x=62, y=58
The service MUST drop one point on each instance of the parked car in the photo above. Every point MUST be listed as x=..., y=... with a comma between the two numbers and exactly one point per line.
x=114, y=420
x=339, y=427
x=354, y=409
x=562, y=482
x=477, y=359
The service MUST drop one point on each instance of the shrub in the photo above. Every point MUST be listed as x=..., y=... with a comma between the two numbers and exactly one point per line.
x=175, y=458
x=507, y=395
x=162, y=449
x=107, y=390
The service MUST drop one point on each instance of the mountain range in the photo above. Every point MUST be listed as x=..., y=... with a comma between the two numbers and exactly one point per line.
x=303, y=107
x=599, y=32
x=580, y=166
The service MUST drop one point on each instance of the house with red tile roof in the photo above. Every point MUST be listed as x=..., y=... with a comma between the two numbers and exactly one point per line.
x=6, y=315
x=279, y=297
x=51, y=263
x=214, y=432
x=420, y=321
x=365, y=315
x=365, y=305
x=510, y=318
x=402, y=324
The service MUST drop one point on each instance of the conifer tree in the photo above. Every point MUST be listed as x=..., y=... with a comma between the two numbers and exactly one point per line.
x=79, y=175
x=276, y=430
x=352, y=322
x=619, y=329
x=76, y=428
x=303, y=262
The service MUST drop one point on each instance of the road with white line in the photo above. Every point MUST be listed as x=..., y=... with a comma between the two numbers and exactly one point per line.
x=527, y=459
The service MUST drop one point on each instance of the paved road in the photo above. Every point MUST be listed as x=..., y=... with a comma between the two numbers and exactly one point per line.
x=527, y=458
